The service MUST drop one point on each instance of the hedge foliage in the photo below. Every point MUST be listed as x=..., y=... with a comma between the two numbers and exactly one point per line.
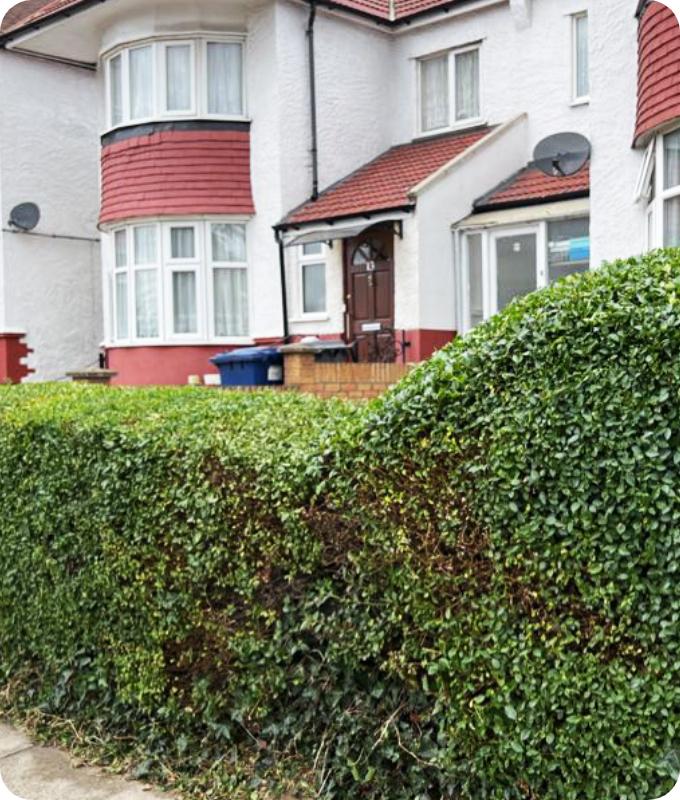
x=466, y=589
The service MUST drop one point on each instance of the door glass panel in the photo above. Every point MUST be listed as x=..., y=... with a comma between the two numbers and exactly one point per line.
x=475, y=285
x=568, y=247
x=516, y=267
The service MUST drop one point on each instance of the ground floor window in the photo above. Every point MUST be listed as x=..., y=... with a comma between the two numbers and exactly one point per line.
x=178, y=281
x=500, y=264
x=312, y=264
x=659, y=184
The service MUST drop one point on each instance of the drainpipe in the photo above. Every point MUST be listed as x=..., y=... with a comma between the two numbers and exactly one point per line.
x=284, y=289
x=312, y=101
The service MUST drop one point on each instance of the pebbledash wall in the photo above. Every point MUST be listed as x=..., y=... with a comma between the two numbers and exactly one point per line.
x=50, y=280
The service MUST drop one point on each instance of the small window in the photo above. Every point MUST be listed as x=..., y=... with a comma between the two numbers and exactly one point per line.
x=182, y=243
x=313, y=278
x=568, y=247
x=225, y=78
x=581, y=76
x=116, y=89
x=449, y=90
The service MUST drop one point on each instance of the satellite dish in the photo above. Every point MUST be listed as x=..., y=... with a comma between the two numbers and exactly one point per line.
x=25, y=216
x=562, y=154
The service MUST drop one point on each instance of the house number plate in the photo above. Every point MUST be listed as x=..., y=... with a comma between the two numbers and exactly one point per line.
x=371, y=327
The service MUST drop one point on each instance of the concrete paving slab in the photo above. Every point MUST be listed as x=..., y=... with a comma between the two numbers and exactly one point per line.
x=44, y=773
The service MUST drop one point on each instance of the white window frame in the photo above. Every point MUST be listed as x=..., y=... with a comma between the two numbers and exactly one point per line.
x=165, y=267
x=453, y=124
x=303, y=261
x=490, y=235
x=576, y=98
x=199, y=79
x=656, y=194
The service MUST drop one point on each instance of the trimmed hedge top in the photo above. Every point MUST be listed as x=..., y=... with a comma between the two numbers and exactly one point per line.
x=466, y=589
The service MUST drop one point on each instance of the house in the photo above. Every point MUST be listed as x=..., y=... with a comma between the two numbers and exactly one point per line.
x=359, y=169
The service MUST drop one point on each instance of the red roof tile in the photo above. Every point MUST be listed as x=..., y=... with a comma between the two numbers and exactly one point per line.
x=177, y=172
x=386, y=182
x=31, y=11
x=531, y=186
x=658, y=70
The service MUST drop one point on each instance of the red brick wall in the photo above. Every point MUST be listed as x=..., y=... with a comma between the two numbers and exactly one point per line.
x=177, y=172
x=658, y=70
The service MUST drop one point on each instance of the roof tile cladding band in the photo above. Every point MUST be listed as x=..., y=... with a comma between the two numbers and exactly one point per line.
x=177, y=172
x=658, y=70
x=530, y=186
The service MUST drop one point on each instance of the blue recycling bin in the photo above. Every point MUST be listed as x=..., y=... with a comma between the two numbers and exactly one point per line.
x=251, y=366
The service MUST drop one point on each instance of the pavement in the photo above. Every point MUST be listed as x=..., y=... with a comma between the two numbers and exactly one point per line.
x=31, y=772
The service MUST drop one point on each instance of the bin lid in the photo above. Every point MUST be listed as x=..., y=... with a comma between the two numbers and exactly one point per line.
x=246, y=354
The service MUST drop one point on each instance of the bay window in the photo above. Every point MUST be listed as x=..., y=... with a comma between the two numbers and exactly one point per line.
x=499, y=264
x=161, y=79
x=179, y=282
x=659, y=185
x=449, y=90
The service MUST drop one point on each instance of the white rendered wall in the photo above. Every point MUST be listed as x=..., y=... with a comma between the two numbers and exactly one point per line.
x=49, y=153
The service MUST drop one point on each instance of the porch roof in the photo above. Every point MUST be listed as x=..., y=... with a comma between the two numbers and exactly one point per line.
x=530, y=186
x=387, y=182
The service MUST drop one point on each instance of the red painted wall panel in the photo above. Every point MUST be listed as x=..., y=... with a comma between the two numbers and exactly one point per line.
x=658, y=70
x=177, y=172
x=13, y=354
x=161, y=366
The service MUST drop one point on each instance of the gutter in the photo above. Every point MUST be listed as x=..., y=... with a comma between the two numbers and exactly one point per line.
x=58, y=16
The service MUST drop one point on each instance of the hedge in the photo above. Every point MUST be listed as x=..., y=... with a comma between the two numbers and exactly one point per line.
x=466, y=589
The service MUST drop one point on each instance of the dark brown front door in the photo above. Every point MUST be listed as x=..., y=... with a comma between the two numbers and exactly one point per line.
x=369, y=289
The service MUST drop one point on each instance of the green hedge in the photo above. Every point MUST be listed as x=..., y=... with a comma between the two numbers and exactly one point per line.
x=466, y=589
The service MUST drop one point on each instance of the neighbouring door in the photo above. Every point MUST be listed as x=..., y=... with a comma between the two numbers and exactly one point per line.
x=369, y=290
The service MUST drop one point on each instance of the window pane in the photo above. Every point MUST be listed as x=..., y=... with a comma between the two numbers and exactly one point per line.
x=475, y=285
x=581, y=54
x=568, y=247
x=434, y=93
x=141, y=82
x=178, y=77
x=184, y=317
x=121, y=248
x=231, y=302
x=121, y=301
x=312, y=249
x=314, y=288
x=671, y=153
x=225, y=78
x=229, y=243
x=116, y=89
x=146, y=303
x=467, y=85
x=516, y=267
x=182, y=243
x=671, y=222
x=145, y=244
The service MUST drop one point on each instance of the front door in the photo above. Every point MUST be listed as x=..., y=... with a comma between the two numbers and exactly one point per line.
x=369, y=290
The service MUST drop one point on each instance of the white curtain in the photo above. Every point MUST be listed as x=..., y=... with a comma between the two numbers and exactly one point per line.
x=671, y=149
x=184, y=302
x=121, y=289
x=231, y=302
x=582, y=57
x=229, y=243
x=146, y=303
x=121, y=248
x=671, y=213
x=182, y=243
x=178, y=77
x=141, y=82
x=434, y=92
x=225, y=78
x=145, y=244
x=314, y=288
x=467, y=85
x=116, y=89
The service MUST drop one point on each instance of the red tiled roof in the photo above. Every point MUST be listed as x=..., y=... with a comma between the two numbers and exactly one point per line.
x=384, y=10
x=177, y=172
x=386, y=182
x=658, y=70
x=531, y=186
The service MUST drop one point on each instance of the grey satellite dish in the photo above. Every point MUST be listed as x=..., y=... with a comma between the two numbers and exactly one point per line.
x=562, y=154
x=25, y=216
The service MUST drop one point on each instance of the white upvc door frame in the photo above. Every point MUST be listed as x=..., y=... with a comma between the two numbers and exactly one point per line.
x=491, y=290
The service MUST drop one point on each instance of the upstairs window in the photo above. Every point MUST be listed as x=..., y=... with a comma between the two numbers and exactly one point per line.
x=176, y=78
x=580, y=58
x=449, y=90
